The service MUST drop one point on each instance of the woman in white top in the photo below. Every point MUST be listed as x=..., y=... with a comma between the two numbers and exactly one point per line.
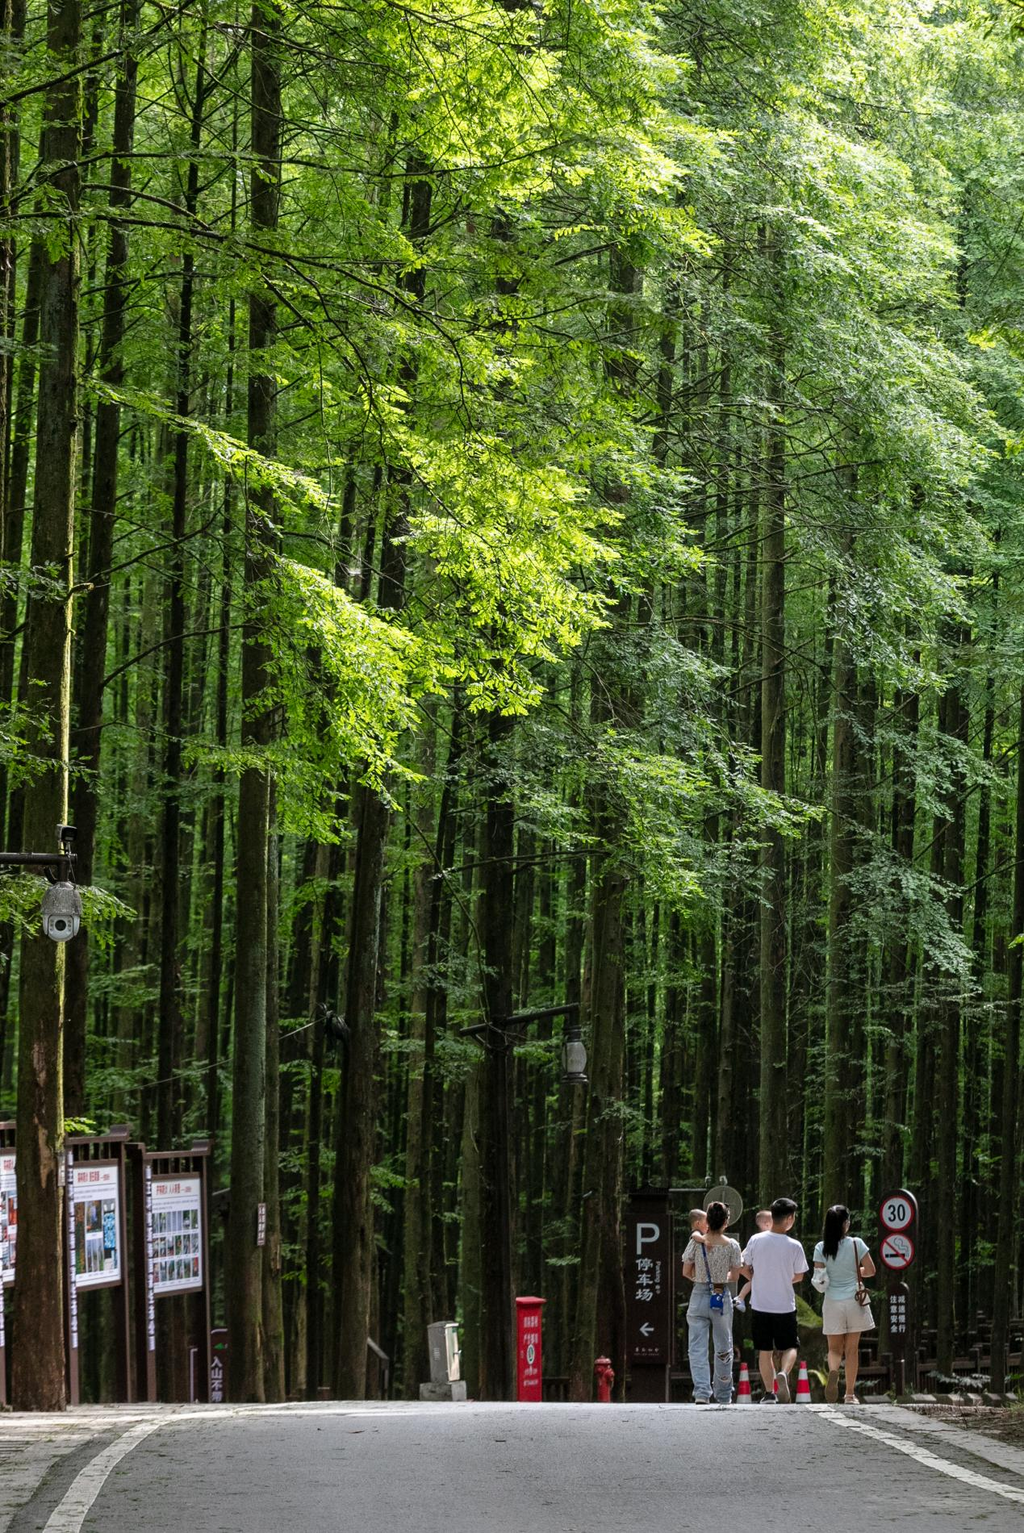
x=841, y=1260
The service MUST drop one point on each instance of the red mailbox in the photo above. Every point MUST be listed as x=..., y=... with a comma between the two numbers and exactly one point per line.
x=528, y=1354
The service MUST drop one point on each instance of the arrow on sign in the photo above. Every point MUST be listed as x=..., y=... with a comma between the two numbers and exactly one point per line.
x=646, y=1329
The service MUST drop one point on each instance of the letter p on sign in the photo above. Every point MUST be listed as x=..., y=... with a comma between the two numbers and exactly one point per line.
x=645, y=1235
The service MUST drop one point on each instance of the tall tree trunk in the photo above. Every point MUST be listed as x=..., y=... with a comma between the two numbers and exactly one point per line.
x=947, y=1097
x=897, y=970
x=38, y=1368
x=1008, y=1202
x=496, y=1352
x=979, y=1038
x=273, y=1310
x=323, y=990
x=845, y=996
x=88, y=733
x=356, y=1151
x=170, y=1042
x=13, y=540
x=773, y=1157
x=354, y=1247
x=600, y=1317
x=243, y=1278
x=425, y=1102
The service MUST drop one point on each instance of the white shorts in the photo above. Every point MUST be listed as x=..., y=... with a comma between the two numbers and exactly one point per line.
x=841, y=1317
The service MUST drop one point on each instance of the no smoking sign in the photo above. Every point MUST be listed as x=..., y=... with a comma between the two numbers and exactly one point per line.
x=897, y=1252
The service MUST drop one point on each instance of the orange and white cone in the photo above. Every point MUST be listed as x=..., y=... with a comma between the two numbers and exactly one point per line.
x=743, y=1393
x=803, y=1387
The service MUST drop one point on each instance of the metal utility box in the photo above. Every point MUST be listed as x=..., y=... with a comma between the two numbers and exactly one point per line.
x=443, y=1341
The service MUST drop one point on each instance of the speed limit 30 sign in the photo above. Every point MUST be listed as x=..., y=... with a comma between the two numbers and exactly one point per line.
x=898, y=1211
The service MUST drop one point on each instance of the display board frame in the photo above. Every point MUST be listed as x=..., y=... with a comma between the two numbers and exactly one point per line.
x=101, y=1226
x=152, y=1167
x=98, y=1151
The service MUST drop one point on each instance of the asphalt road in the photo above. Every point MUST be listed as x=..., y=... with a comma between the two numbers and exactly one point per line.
x=528, y=1469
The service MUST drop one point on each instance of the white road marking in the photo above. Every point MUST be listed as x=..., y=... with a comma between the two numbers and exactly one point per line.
x=925, y=1456
x=73, y=1508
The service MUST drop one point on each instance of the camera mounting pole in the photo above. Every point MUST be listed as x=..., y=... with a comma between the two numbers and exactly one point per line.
x=58, y=867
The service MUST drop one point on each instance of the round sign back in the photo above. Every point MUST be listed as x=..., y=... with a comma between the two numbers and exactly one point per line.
x=723, y=1193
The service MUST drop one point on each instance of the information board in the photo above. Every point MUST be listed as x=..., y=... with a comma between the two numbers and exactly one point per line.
x=8, y=1216
x=177, y=1233
x=649, y=1279
x=96, y=1200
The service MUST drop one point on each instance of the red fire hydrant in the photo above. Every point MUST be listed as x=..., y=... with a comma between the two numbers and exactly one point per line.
x=604, y=1373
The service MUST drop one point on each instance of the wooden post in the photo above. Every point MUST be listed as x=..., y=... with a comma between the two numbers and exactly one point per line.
x=7, y=1131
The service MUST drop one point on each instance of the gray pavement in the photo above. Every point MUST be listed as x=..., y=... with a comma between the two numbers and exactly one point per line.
x=522, y=1469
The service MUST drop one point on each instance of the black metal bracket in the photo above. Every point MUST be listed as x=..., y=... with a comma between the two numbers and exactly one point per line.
x=57, y=867
x=509, y=1029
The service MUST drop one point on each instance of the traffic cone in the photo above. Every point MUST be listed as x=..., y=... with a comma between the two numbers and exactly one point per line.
x=743, y=1393
x=803, y=1387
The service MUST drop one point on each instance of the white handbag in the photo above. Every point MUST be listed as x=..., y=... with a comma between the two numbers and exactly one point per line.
x=819, y=1279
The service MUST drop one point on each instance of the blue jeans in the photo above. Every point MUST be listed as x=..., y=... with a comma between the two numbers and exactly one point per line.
x=702, y=1319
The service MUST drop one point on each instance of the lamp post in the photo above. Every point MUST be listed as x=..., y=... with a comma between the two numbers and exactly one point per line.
x=499, y=1038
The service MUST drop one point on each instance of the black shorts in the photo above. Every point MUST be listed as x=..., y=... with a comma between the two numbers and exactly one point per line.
x=774, y=1333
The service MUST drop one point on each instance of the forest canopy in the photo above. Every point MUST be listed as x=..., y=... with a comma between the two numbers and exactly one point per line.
x=513, y=506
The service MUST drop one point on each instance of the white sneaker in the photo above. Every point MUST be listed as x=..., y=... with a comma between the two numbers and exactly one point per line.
x=782, y=1388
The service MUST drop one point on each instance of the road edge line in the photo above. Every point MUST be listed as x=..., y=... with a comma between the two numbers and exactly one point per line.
x=71, y=1511
x=991, y=1450
x=923, y=1456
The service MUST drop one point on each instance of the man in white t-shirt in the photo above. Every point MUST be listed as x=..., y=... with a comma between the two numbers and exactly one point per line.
x=775, y=1263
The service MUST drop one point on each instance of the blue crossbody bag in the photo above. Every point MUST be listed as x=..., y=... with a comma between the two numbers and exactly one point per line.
x=716, y=1301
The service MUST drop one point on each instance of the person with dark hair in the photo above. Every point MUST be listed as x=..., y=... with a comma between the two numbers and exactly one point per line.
x=710, y=1264
x=775, y=1263
x=841, y=1262
x=763, y=1221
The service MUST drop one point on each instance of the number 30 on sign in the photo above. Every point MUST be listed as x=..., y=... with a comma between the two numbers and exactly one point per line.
x=898, y=1211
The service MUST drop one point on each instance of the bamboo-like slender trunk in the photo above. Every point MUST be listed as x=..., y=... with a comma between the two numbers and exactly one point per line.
x=1008, y=1203
x=244, y=1265
x=773, y=1158
x=38, y=1369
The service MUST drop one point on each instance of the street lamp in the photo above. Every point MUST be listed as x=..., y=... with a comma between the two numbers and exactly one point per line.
x=574, y=1055
x=504, y=1034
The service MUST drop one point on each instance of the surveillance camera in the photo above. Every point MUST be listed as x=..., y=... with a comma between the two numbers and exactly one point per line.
x=62, y=912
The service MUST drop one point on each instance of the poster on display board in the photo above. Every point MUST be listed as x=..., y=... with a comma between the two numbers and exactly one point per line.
x=8, y=1216
x=177, y=1234
x=96, y=1194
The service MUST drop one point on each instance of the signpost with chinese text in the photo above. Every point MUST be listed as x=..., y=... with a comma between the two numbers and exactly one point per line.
x=528, y=1348
x=897, y=1218
x=650, y=1308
